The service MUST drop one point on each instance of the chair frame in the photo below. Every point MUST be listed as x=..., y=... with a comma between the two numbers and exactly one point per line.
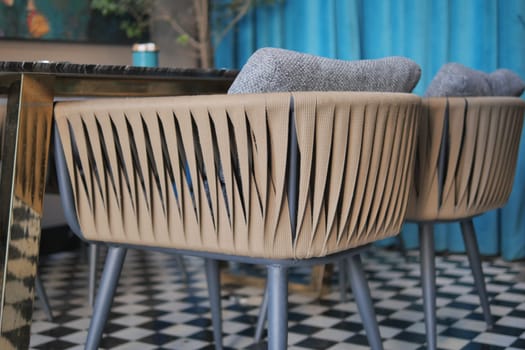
x=426, y=227
x=277, y=268
x=428, y=274
x=277, y=280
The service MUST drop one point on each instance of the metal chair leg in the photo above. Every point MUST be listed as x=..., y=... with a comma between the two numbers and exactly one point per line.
x=361, y=293
x=471, y=246
x=92, y=280
x=402, y=247
x=182, y=266
x=277, y=307
x=261, y=319
x=341, y=267
x=214, y=291
x=42, y=296
x=106, y=291
x=428, y=281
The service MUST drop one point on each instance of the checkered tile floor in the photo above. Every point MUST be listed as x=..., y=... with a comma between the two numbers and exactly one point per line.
x=155, y=309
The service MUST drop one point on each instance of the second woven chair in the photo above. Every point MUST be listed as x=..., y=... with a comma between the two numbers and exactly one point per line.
x=277, y=179
x=465, y=164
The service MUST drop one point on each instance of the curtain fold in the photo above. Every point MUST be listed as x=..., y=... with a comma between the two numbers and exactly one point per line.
x=481, y=34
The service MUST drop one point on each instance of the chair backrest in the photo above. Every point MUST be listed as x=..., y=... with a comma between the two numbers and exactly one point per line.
x=240, y=174
x=466, y=156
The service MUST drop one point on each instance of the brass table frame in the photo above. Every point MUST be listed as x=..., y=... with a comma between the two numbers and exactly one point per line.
x=24, y=159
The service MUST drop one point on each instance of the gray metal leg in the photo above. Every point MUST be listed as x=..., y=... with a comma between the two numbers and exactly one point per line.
x=182, y=266
x=277, y=307
x=341, y=267
x=402, y=246
x=361, y=294
x=471, y=245
x=428, y=281
x=263, y=313
x=42, y=296
x=214, y=291
x=92, y=282
x=106, y=291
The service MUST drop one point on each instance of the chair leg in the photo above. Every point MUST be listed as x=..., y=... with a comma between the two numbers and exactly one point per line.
x=182, y=266
x=92, y=281
x=42, y=296
x=214, y=291
x=261, y=319
x=341, y=267
x=428, y=281
x=106, y=291
x=361, y=293
x=277, y=307
x=471, y=245
x=402, y=247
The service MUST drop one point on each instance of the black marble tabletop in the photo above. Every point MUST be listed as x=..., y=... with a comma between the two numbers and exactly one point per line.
x=68, y=68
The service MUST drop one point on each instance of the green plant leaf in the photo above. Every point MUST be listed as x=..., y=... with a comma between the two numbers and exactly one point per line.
x=183, y=39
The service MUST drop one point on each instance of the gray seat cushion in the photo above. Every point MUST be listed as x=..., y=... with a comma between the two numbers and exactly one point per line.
x=505, y=82
x=454, y=79
x=274, y=70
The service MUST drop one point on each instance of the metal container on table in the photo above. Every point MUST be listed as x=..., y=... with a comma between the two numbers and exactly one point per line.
x=145, y=55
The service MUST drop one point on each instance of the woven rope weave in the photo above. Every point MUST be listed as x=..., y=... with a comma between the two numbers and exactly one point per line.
x=209, y=173
x=476, y=139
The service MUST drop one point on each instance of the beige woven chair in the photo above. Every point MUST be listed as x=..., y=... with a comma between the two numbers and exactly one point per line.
x=465, y=164
x=278, y=179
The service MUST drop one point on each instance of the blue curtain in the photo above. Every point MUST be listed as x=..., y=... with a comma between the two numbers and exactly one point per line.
x=481, y=34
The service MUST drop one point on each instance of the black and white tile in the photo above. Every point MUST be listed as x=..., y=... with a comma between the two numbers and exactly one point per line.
x=155, y=308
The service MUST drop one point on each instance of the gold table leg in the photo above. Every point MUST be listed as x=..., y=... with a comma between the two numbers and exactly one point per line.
x=25, y=145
